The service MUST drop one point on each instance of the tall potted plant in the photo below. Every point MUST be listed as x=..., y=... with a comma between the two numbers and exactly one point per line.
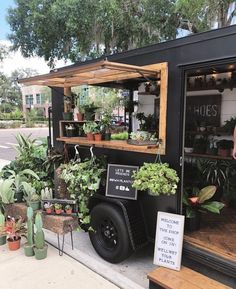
x=40, y=248
x=29, y=246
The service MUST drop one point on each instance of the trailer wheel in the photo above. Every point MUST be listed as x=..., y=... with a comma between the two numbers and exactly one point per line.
x=109, y=237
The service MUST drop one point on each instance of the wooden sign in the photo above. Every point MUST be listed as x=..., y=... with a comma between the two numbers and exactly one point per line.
x=169, y=240
x=203, y=109
x=119, y=182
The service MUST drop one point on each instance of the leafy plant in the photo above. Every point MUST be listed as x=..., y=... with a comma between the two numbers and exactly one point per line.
x=48, y=205
x=143, y=136
x=198, y=200
x=90, y=127
x=157, y=178
x=57, y=206
x=148, y=122
x=6, y=192
x=15, y=228
x=120, y=136
x=83, y=181
x=230, y=125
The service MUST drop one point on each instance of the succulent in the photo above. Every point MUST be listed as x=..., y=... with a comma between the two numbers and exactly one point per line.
x=39, y=235
x=68, y=207
x=30, y=226
x=46, y=193
x=58, y=206
x=47, y=205
x=34, y=198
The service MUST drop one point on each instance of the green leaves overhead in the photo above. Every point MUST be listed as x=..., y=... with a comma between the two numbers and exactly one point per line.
x=74, y=29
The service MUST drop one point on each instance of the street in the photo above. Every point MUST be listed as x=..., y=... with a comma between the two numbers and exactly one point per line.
x=8, y=141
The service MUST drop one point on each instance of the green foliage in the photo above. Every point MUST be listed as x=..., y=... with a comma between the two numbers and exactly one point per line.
x=120, y=136
x=205, y=14
x=230, y=125
x=157, y=178
x=7, y=191
x=78, y=29
x=83, y=180
x=57, y=206
x=32, y=157
x=39, y=235
x=90, y=127
x=30, y=224
x=198, y=200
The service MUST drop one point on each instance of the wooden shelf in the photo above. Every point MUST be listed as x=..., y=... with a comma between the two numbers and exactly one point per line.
x=112, y=144
x=207, y=156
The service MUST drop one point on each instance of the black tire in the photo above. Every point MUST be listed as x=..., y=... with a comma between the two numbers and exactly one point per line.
x=110, y=237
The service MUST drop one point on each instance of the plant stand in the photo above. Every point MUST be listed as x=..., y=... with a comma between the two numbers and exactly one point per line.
x=61, y=246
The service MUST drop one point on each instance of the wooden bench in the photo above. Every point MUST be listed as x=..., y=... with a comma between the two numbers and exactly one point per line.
x=184, y=279
x=60, y=225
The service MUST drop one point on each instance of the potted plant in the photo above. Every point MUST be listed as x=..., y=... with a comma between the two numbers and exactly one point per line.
x=18, y=179
x=58, y=208
x=40, y=248
x=80, y=113
x=68, y=209
x=230, y=125
x=48, y=207
x=97, y=134
x=156, y=178
x=32, y=199
x=70, y=130
x=89, y=128
x=89, y=111
x=106, y=125
x=67, y=114
x=2, y=229
x=142, y=138
x=29, y=246
x=224, y=147
x=14, y=230
x=197, y=202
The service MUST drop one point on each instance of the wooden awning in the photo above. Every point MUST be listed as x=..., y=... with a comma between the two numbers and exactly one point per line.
x=94, y=73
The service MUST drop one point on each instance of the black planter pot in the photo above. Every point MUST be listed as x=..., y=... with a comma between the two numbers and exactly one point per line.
x=19, y=197
x=193, y=224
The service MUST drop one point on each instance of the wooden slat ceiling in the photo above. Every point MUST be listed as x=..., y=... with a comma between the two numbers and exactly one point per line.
x=95, y=73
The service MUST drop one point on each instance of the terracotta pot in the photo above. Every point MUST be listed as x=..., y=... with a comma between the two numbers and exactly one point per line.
x=49, y=210
x=13, y=245
x=69, y=211
x=223, y=152
x=58, y=212
x=80, y=116
x=90, y=136
x=98, y=137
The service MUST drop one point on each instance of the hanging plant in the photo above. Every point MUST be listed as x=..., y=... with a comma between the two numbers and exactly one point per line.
x=83, y=180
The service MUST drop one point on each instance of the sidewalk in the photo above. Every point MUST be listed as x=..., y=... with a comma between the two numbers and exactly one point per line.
x=3, y=163
x=54, y=272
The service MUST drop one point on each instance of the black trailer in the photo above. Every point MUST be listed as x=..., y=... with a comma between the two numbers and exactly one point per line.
x=183, y=65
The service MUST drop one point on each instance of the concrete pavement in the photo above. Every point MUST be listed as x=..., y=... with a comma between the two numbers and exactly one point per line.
x=54, y=272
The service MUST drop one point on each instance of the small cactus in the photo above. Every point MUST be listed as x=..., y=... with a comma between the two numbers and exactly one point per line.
x=30, y=226
x=39, y=235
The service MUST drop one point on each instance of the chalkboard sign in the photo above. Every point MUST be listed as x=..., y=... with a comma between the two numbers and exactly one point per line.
x=119, y=182
x=169, y=240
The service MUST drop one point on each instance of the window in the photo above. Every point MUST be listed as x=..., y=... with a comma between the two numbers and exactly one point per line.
x=38, y=98
x=29, y=99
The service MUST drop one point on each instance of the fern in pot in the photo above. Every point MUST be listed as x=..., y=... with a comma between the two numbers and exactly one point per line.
x=156, y=178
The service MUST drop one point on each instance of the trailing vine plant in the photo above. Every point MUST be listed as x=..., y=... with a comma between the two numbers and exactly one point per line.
x=83, y=180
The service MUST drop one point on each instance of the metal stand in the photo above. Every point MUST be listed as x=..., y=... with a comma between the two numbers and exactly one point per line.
x=61, y=247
